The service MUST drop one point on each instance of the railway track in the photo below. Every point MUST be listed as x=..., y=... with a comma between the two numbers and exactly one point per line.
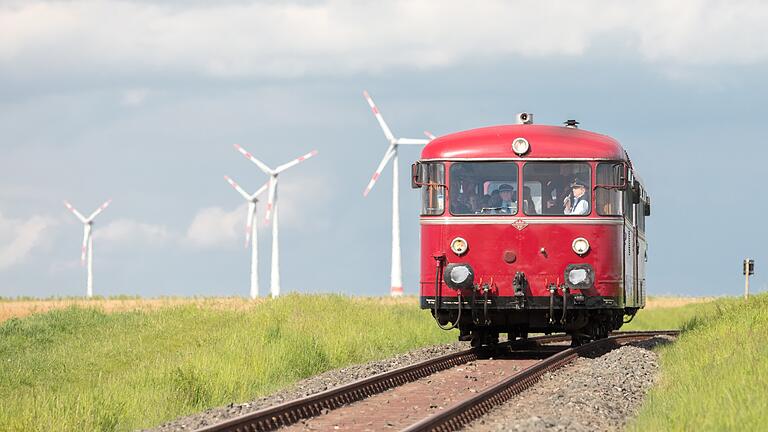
x=518, y=370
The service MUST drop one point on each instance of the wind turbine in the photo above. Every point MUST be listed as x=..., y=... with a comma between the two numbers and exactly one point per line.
x=250, y=232
x=396, y=288
x=87, y=249
x=274, y=282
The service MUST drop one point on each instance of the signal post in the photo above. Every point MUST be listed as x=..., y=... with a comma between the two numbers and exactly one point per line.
x=748, y=269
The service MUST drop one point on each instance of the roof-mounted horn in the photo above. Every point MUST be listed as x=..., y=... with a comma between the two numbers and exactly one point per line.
x=524, y=118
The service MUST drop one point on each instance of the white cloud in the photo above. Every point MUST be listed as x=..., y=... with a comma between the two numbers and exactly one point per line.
x=302, y=200
x=337, y=37
x=18, y=238
x=126, y=231
x=214, y=226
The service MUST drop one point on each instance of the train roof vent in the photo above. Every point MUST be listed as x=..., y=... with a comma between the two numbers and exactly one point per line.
x=573, y=124
x=524, y=118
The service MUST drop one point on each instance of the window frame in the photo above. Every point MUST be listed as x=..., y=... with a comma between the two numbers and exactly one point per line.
x=622, y=188
x=440, y=183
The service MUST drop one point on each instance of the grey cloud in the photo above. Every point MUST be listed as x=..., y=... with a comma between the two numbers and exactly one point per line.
x=292, y=40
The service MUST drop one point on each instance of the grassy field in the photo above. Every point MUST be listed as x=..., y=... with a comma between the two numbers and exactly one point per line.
x=715, y=377
x=670, y=312
x=83, y=369
x=125, y=363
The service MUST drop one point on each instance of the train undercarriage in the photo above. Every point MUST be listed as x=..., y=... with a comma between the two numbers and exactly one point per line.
x=481, y=321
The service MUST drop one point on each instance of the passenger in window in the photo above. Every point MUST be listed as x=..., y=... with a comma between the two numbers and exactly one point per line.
x=483, y=203
x=528, y=206
x=577, y=203
x=508, y=202
x=463, y=189
x=494, y=204
x=556, y=191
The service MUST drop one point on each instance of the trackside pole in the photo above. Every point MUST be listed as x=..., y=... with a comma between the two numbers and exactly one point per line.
x=396, y=288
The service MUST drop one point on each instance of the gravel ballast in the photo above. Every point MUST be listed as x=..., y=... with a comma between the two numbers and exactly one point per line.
x=310, y=386
x=600, y=393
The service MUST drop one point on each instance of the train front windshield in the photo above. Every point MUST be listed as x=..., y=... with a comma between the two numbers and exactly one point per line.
x=492, y=188
x=557, y=188
x=483, y=188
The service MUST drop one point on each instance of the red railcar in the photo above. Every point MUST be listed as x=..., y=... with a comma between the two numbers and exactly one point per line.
x=530, y=228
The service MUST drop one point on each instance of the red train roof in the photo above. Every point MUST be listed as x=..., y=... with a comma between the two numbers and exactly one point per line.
x=545, y=141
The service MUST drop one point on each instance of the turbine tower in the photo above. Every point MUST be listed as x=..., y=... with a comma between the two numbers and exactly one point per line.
x=274, y=282
x=86, y=253
x=250, y=232
x=396, y=287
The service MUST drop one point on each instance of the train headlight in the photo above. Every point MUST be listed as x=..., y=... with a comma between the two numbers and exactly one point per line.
x=579, y=276
x=459, y=246
x=459, y=276
x=580, y=246
x=520, y=146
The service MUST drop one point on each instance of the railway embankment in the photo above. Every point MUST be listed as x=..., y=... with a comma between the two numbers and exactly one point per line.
x=715, y=377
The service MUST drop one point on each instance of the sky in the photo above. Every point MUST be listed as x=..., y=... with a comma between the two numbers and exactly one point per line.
x=142, y=101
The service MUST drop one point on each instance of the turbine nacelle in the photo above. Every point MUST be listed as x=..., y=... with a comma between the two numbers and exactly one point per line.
x=272, y=173
x=394, y=142
x=252, y=200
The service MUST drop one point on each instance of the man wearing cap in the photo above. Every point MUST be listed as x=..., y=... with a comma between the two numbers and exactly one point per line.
x=508, y=204
x=576, y=203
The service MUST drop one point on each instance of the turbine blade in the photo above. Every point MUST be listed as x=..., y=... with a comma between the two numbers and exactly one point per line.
x=237, y=187
x=262, y=166
x=259, y=191
x=379, y=117
x=99, y=210
x=429, y=135
x=249, y=222
x=294, y=162
x=86, y=236
x=391, y=150
x=75, y=212
x=271, y=198
x=415, y=141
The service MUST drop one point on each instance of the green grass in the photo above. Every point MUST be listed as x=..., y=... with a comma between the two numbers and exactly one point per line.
x=715, y=377
x=668, y=318
x=81, y=369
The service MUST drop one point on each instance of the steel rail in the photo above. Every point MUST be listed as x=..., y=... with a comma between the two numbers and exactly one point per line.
x=461, y=414
x=285, y=414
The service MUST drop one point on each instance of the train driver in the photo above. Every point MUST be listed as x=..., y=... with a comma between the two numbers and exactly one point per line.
x=508, y=203
x=576, y=203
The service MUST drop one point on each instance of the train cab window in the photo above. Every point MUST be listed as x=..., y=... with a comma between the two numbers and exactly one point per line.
x=433, y=189
x=557, y=189
x=608, y=193
x=483, y=188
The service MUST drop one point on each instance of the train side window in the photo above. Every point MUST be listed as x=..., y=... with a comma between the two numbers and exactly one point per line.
x=608, y=191
x=640, y=208
x=432, y=189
